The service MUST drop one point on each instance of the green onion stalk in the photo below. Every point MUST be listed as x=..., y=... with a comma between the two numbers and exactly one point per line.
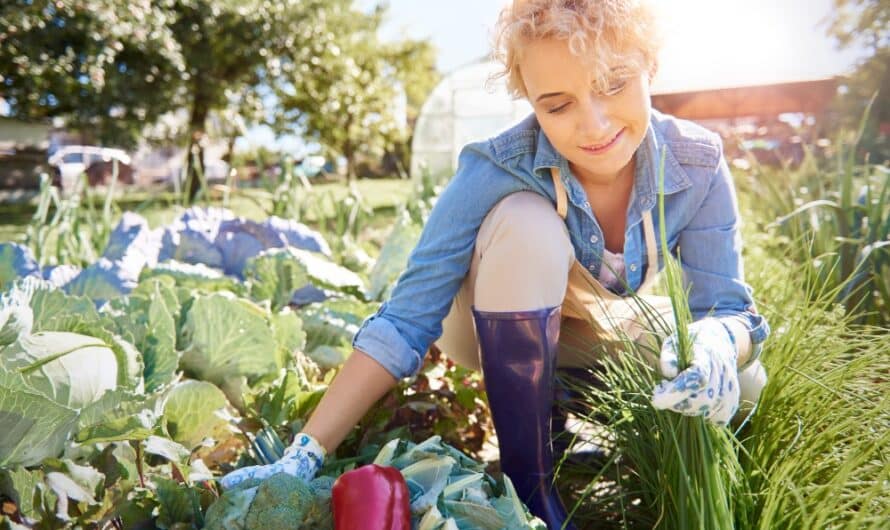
x=665, y=470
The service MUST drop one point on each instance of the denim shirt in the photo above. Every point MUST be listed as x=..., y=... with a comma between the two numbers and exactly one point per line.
x=700, y=208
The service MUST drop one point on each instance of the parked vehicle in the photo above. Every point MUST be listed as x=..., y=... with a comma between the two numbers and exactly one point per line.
x=73, y=160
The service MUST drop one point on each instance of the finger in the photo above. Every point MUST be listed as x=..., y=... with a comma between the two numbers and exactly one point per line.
x=236, y=477
x=717, y=414
x=664, y=398
x=702, y=360
x=670, y=394
x=668, y=361
x=728, y=397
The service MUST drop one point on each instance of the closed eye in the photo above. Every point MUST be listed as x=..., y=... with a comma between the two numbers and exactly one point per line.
x=558, y=109
x=616, y=87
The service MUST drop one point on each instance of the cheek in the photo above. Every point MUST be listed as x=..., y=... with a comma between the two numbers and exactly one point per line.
x=559, y=130
x=562, y=133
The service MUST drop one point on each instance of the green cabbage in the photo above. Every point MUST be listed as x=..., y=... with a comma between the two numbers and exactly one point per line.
x=225, y=337
x=48, y=379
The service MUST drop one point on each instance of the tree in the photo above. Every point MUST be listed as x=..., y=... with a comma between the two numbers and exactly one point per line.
x=108, y=66
x=865, y=24
x=112, y=67
x=349, y=98
x=232, y=44
x=414, y=62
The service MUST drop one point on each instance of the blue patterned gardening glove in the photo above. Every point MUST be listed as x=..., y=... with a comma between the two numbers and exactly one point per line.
x=302, y=459
x=709, y=386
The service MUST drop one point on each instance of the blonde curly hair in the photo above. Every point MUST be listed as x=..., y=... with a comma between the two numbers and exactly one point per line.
x=605, y=33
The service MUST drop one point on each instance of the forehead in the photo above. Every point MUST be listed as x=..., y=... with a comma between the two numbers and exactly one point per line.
x=549, y=65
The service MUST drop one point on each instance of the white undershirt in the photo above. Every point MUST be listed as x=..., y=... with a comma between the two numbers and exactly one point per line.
x=612, y=274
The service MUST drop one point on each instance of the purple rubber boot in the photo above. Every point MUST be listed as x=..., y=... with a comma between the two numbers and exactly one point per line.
x=518, y=353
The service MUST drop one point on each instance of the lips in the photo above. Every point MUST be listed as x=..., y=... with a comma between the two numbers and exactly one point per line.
x=601, y=148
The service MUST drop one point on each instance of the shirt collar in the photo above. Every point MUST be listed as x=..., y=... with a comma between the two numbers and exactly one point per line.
x=648, y=158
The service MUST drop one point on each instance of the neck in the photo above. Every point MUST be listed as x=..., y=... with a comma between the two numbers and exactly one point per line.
x=606, y=184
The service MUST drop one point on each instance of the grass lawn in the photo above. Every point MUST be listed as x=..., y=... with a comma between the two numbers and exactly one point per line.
x=381, y=195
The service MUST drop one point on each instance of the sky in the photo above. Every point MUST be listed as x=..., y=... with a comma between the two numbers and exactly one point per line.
x=756, y=38
x=708, y=43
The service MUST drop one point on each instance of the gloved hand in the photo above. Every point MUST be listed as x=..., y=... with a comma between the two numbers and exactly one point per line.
x=709, y=386
x=302, y=459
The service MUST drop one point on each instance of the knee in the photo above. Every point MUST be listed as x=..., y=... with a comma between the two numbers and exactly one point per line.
x=526, y=223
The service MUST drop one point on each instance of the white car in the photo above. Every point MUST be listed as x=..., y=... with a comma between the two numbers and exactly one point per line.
x=73, y=160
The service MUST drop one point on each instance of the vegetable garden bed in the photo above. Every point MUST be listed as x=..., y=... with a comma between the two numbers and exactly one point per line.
x=186, y=348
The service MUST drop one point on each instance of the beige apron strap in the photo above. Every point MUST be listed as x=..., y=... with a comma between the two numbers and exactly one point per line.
x=561, y=201
x=651, y=248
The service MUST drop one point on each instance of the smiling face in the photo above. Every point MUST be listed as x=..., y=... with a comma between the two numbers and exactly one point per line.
x=598, y=132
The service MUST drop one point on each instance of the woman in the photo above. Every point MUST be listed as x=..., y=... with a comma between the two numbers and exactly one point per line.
x=549, y=227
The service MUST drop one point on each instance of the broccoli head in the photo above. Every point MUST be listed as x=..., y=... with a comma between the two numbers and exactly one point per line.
x=280, y=501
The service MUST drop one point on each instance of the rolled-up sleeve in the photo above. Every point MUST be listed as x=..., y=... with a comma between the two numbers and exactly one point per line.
x=381, y=340
x=711, y=255
x=399, y=334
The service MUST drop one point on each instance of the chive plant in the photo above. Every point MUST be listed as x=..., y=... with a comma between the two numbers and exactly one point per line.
x=815, y=453
x=838, y=218
x=666, y=470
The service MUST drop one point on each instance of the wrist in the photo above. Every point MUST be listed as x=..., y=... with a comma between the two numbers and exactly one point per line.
x=735, y=346
x=748, y=352
x=307, y=444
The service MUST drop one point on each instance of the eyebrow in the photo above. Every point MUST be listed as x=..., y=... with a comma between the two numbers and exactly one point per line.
x=616, y=69
x=549, y=95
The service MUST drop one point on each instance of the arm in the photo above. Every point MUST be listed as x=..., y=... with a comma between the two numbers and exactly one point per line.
x=359, y=384
x=391, y=343
x=710, y=251
x=399, y=334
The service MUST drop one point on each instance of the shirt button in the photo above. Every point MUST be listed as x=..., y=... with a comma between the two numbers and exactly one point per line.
x=633, y=267
x=594, y=239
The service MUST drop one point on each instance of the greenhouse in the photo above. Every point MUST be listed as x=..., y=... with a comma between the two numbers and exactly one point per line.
x=467, y=105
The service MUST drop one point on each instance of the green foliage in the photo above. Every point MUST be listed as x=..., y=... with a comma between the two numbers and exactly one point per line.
x=112, y=70
x=193, y=277
x=281, y=501
x=444, y=400
x=815, y=449
x=833, y=217
x=195, y=410
x=147, y=318
x=347, y=99
x=224, y=337
x=275, y=277
x=50, y=383
x=109, y=66
x=446, y=488
x=393, y=257
x=70, y=230
x=863, y=24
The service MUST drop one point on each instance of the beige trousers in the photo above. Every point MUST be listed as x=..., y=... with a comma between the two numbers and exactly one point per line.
x=524, y=260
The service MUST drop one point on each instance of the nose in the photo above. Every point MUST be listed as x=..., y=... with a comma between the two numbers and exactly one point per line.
x=595, y=123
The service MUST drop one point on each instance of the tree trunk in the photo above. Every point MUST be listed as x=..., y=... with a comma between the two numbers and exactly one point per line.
x=349, y=154
x=349, y=150
x=195, y=163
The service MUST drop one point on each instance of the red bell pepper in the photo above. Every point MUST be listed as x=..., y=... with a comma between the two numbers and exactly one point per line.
x=371, y=497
